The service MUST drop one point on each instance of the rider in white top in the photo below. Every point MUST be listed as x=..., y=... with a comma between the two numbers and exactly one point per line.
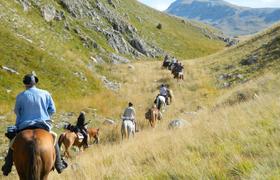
x=130, y=114
x=163, y=90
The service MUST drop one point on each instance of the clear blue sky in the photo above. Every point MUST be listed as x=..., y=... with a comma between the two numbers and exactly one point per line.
x=163, y=4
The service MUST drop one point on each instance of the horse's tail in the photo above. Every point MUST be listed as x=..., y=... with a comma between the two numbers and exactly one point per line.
x=97, y=136
x=35, y=162
x=60, y=139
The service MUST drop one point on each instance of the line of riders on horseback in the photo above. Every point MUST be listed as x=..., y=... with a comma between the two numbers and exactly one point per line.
x=176, y=67
x=129, y=125
x=33, y=147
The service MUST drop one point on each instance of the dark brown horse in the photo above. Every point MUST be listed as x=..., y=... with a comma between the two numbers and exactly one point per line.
x=34, y=154
x=69, y=139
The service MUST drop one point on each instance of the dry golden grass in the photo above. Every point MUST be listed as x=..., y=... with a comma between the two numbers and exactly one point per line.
x=224, y=141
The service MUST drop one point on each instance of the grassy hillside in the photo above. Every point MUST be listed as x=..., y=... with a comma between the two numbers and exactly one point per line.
x=249, y=59
x=55, y=75
x=181, y=38
x=224, y=141
x=233, y=132
x=58, y=49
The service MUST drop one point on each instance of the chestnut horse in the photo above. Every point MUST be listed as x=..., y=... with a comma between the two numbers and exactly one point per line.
x=70, y=139
x=93, y=135
x=34, y=154
x=153, y=115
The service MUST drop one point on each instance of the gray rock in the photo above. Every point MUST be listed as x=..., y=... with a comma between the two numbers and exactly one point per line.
x=116, y=59
x=139, y=19
x=117, y=42
x=131, y=67
x=225, y=76
x=48, y=12
x=139, y=45
x=97, y=60
x=78, y=8
x=178, y=123
x=240, y=76
x=109, y=122
x=88, y=42
x=226, y=85
x=25, y=4
x=10, y=70
x=80, y=75
x=59, y=15
x=250, y=60
x=114, y=86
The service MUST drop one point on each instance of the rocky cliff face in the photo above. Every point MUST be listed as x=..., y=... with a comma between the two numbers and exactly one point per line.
x=231, y=19
x=83, y=16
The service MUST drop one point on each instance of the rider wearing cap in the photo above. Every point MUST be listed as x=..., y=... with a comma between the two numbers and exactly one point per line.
x=34, y=108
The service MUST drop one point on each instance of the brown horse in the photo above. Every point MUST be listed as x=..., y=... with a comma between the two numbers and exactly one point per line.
x=93, y=135
x=170, y=97
x=153, y=115
x=34, y=154
x=70, y=139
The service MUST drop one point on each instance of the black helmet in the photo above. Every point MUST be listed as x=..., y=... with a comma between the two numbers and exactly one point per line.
x=30, y=79
x=130, y=104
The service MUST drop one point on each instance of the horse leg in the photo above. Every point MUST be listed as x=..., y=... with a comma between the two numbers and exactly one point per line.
x=45, y=177
x=128, y=133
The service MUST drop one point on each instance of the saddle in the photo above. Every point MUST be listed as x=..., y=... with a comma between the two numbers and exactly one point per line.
x=80, y=136
x=74, y=129
x=12, y=132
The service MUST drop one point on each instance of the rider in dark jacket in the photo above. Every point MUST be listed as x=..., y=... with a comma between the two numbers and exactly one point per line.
x=81, y=127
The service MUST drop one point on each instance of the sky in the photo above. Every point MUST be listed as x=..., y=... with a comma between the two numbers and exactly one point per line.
x=163, y=4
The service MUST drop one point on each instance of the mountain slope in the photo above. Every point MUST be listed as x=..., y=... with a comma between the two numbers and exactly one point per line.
x=63, y=41
x=233, y=141
x=249, y=59
x=231, y=19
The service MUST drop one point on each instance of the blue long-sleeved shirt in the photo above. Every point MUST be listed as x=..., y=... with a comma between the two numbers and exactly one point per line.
x=34, y=107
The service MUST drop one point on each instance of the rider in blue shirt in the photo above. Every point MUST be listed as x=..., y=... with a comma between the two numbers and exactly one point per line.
x=34, y=108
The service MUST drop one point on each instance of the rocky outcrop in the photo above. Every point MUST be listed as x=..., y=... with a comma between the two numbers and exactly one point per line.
x=116, y=59
x=122, y=33
x=99, y=17
x=78, y=8
x=250, y=60
x=48, y=12
x=26, y=4
x=114, y=86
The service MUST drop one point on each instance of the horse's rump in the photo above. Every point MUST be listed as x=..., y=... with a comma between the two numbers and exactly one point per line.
x=148, y=114
x=94, y=134
x=35, y=148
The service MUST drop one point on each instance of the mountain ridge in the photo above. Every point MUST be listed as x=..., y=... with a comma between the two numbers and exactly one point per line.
x=231, y=19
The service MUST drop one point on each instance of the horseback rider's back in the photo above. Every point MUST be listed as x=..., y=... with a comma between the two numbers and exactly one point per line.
x=129, y=113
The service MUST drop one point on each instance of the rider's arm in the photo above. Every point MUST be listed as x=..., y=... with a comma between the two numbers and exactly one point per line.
x=51, y=106
x=17, y=109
